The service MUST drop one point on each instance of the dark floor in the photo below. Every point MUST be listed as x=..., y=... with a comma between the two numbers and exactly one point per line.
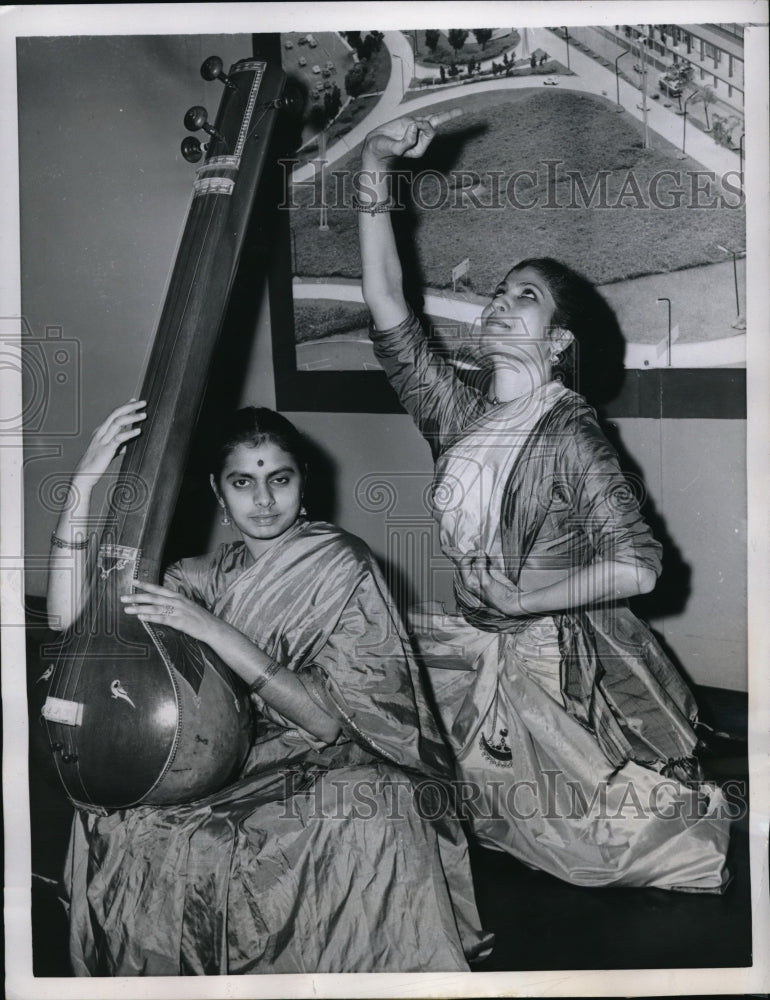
x=540, y=923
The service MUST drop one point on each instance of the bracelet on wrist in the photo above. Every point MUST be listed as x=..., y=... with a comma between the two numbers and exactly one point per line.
x=62, y=543
x=374, y=207
x=270, y=671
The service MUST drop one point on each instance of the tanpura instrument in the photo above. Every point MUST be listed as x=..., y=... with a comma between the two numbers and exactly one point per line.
x=137, y=713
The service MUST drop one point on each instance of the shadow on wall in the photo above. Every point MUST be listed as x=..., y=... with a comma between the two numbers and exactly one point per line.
x=672, y=590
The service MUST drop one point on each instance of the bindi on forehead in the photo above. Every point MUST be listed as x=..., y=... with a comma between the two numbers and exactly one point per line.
x=260, y=463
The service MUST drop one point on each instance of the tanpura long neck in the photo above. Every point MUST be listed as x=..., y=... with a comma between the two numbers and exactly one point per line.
x=224, y=196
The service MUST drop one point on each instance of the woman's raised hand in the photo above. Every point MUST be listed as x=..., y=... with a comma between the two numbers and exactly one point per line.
x=409, y=135
x=110, y=437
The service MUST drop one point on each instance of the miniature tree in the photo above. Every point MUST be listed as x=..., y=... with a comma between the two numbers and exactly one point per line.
x=332, y=102
x=317, y=118
x=356, y=79
x=482, y=36
x=432, y=38
x=706, y=96
x=354, y=40
x=457, y=38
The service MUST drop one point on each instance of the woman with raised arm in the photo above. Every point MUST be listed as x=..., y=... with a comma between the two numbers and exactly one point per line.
x=318, y=858
x=572, y=732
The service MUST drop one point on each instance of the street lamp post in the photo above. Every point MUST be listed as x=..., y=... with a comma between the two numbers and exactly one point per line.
x=400, y=59
x=662, y=298
x=323, y=219
x=643, y=86
x=684, y=117
x=617, y=78
x=739, y=321
x=566, y=39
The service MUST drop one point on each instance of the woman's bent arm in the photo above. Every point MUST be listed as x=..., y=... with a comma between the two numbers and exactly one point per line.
x=382, y=279
x=283, y=690
x=601, y=581
x=278, y=686
x=381, y=268
x=67, y=563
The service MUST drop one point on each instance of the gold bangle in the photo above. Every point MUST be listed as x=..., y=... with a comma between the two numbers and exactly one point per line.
x=62, y=543
x=373, y=207
x=256, y=686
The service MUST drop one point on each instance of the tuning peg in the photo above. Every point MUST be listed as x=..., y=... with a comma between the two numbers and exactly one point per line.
x=293, y=101
x=197, y=118
x=213, y=69
x=192, y=150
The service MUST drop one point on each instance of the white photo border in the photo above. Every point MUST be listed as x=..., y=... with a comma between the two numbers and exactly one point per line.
x=104, y=19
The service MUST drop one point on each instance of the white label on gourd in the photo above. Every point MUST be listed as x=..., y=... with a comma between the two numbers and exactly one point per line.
x=68, y=713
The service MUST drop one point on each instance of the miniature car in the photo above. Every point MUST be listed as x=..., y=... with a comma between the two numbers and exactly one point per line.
x=671, y=88
x=316, y=69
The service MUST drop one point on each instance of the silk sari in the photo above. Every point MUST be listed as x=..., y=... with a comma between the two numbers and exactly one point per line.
x=318, y=858
x=572, y=732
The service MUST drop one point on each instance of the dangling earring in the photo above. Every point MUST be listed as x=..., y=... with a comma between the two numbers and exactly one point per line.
x=303, y=511
x=225, y=516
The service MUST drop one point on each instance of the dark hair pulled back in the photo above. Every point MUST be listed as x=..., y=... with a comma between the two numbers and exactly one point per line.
x=593, y=364
x=254, y=426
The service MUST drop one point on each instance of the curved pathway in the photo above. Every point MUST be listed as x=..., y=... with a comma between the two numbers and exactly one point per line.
x=633, y=301
x=590, y=77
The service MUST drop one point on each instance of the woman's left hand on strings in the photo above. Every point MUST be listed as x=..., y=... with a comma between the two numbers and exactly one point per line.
x=490, y=585
x=161, y=606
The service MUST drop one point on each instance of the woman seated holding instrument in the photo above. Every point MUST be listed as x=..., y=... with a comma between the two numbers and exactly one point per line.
x=565, y=716
x=317, y=858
